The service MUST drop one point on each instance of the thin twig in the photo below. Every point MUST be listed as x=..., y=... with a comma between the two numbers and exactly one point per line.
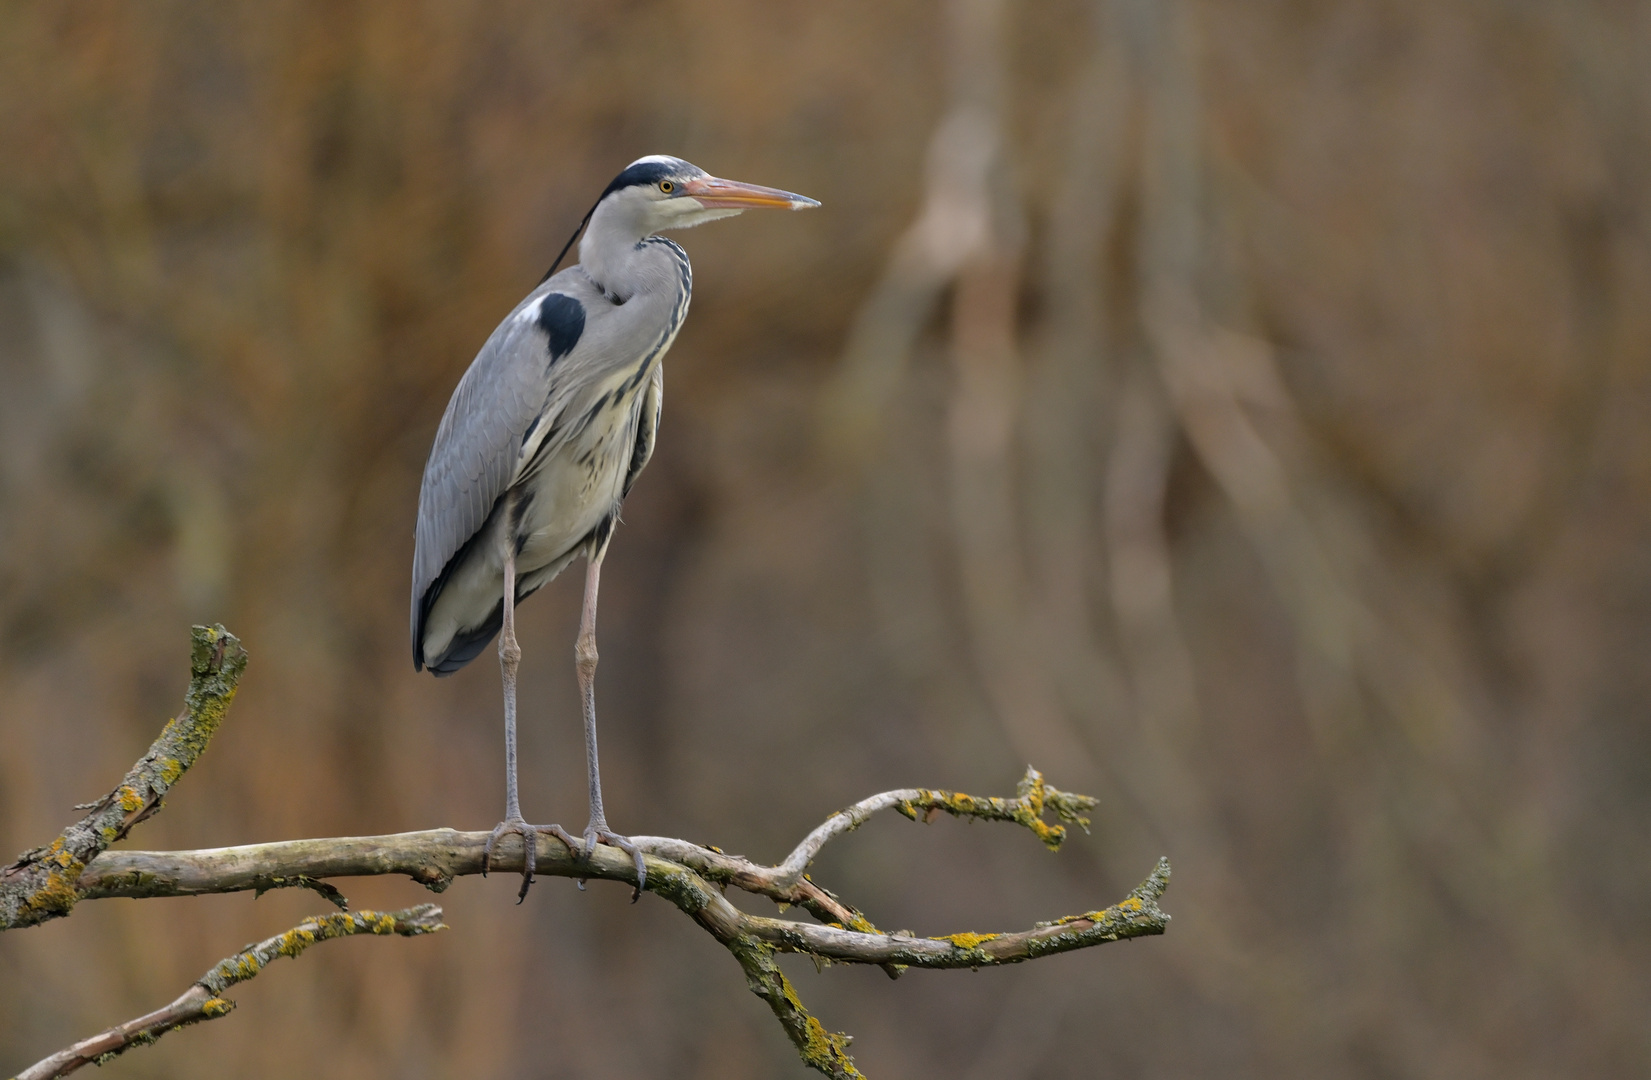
x=204, y=999
x=1025, y=809
x=42, y=883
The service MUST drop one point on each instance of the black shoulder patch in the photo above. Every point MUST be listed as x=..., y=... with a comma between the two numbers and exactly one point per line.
x=562, y=318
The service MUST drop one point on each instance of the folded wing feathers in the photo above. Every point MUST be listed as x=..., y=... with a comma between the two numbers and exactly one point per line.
x=478, y=449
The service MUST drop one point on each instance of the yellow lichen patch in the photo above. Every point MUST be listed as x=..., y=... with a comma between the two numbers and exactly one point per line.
x=295, y=941
x=242, y=967
x=862, y=924
x=1051, y=835
x=1088, y=916
x=171, y=769
x=130, y=801
x=1122, y=909
x=58, y=894
x=967, y=940
x=379, y=922
x=821, y=1049
x=215, y=1007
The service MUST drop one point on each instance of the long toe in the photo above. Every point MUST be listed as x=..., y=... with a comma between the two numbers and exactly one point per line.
x=530, y=857
x=492, y=842
x=530, y=848
x=563, y=835
x=623, y=843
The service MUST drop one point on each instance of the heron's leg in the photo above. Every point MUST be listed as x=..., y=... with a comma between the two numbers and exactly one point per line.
x=510, y=655
x=585, y=655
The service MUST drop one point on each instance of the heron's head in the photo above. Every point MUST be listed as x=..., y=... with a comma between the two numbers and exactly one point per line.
x=660, y=192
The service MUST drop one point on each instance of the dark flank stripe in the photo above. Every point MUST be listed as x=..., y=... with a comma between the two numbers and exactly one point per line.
x=625, y=396
x=679, y=311
x=599, y=535
x=641, y=447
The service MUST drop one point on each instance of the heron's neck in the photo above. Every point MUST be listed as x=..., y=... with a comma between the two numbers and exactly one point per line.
x=612, y=254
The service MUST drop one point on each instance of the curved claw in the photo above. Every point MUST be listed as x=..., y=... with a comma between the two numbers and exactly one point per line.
x=641, y=868
x=595, y=833
x=530, y=847
x=487, y=848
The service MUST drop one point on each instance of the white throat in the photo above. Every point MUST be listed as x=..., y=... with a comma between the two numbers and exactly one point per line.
x=608, y=250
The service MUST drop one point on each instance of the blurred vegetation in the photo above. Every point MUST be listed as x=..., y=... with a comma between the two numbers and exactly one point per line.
x=1237, y=409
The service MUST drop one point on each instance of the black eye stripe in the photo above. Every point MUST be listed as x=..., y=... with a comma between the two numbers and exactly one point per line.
x=650, y=173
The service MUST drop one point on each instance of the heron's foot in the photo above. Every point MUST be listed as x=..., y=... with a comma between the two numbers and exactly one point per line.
x=598, y=831
x=530, y=847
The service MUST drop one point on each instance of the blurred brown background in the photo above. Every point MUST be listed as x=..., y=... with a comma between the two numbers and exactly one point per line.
x=1238, y=410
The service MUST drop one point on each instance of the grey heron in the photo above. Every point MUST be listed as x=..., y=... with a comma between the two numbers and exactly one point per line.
x=543, y=438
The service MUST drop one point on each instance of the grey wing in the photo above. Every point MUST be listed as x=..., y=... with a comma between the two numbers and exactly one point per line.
x=647, y=426
x=478, y=445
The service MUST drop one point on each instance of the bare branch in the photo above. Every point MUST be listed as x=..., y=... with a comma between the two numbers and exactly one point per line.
x=691, y=877
x=42, y=883
x=47, y=882
x=434, y=857
x=204, y=999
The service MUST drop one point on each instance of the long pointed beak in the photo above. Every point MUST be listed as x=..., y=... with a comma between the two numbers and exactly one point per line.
x=716, y=194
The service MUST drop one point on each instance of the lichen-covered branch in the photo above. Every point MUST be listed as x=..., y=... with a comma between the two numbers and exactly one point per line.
x=825, y=1051
x=1026, y=808
x=787, y=884
x=44, y=883
x=1135, y=916
x=691, y=877
x=204, y=999
x=47, y=882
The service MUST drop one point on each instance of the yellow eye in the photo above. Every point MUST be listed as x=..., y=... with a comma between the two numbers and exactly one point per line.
x=666, y=186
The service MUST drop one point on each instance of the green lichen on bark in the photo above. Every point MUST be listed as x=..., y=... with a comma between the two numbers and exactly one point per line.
x=43, y=883
x=1032, y=797
x=424, y=919
x=205, y=1001
x=685, y=888
x=692, y=878
x=1137, y=915
x=824, y=1051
